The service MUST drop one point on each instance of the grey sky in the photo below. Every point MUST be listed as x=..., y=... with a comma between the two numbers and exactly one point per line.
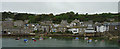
x=60, y=7
x=59, y=0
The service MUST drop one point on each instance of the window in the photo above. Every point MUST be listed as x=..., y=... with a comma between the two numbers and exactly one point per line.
x=75, y=31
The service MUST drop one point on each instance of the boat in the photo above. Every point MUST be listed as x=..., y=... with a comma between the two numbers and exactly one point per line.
x=96, y=40
x=76, y=38
x=86, y=38
x=40, y=38
x=18, y=38
x=90, y=40
x=33, y=38
x=50, y=37
x=25, y=40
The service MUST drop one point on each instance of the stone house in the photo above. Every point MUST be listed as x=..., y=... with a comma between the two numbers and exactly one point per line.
x=18, y=30
x=46, y=26
x=19, y=23
x=27, y=30
x=63, y=26
x=7, y=24
x=58, y=29
x=75, y=23
x=113, y=28
x=64, y=23
x=26, y=21
x=54, y=28
x=12, y=30
x=9, y=19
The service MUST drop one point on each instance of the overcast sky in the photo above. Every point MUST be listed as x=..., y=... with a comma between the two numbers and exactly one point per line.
x=60, y=0
x=61, y=6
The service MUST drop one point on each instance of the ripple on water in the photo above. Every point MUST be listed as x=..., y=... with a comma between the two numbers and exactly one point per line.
x=11, y=42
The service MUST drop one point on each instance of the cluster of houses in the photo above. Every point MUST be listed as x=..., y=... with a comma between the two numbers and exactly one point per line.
x=88, y=28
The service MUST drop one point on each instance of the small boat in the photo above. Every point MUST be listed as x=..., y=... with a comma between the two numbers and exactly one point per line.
x=41, y=38
x=25, y=40
x=90, y=40
x=50, y=37
x=76, y=38
x=96, y=40
x=33, y=38
x=18, y=38
x=86, y=38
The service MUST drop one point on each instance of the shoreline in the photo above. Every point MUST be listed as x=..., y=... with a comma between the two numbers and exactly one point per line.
x=65, y=36
x=50, y=35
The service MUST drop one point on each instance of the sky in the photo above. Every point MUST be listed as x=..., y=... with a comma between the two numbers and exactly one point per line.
x=60, y=6
x=60, y=0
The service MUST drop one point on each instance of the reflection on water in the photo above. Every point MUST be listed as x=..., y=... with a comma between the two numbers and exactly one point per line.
x=11, y=42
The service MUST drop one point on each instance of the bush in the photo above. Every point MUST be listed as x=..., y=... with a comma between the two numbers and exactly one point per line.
x=68, y=32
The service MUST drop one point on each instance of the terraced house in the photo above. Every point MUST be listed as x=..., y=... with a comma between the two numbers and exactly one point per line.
x=86, y=28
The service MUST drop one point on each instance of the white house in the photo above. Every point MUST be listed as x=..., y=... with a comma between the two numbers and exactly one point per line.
x=74, y=30
x=102, y=28
x=90, y=29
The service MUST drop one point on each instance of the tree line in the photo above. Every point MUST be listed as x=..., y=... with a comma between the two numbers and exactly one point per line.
x=69, y=16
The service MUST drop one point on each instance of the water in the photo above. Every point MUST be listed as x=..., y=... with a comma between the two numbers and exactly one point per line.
x=11, y=42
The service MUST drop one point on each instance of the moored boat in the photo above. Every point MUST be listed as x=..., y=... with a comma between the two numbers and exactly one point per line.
x=33, y=38
x=25, y=40
x=18, y=38
x=41, y=38
x=76, y=38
